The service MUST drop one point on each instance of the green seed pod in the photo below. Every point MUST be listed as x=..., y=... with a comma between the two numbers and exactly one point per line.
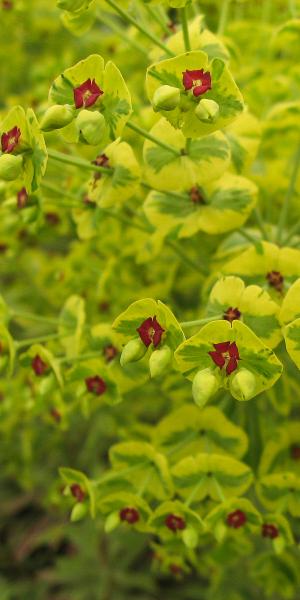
x=91, y=127
x=243, y=385
x=190, y=537
x=205, y=384
x=207, y=110
x=57, y=116
x=79, y=511
x=112, y=521
x=166, y=97
x=10, y=167
x=133, y=351
x=159, y=361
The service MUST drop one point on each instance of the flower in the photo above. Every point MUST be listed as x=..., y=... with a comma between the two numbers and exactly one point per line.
x=96, y=385
x=38, y=365
x=87, y=94
x=197, y=80
x=226, y=354
x=196, y=195
x=22, y=198
x=295, y=452
x=174, y=522
x=110, y=352
x=236, y=519
x=231, y=314
x=131, y=515
x=10, y=140
x=150, y=332
x=275, y=280
x=77, y=492
x=270, y=531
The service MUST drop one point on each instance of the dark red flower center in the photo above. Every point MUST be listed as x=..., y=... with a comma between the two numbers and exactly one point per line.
x=197, y=80
x=22, y=198
x=55, y=414
x=39, y=366
x=226, y=354
x=174, y=522
x=131, y=515
x=10, y=140
x=270, y=531
x=175, y=569
x=110, y=352
x=77, y=492
x=7, y=4
x=52, y=218
x=96, y=385
x=87, y=94
x=275, y=280
x=295, y=452
x=150, y=332
x=196, y=195
x=231, y=314
x=236, y=519
x=101, y=161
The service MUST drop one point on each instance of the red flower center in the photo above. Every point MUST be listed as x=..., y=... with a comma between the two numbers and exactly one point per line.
x=39, y=366
x=196, y=195
x=231, y=314
x=275, y=280
x=150, y=332
x=270, y=531
x=175, y=569
x=295, y=452
x=77, y=492
x=96, y=385
x=55, y=414
x=131, y=515
x=22, y=198
x=198, y=80
x=87, y=94
x=236, y=519
x=226, y=354
x=101, y=161
x=10, y=140
x=175, y=523
x=110, y=352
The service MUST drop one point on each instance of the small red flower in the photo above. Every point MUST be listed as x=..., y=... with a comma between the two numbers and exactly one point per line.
x=150, y=332
x=101, y=161
x=196, y=195
x=7, y=4
x=95, y=385
x=270, y=531
x=295, y=452
x=175, y=523
x=226, y=354
x=236, y=519
x=22, y=198
x=110, y=352
x=10, y=140
x=231, y=314
x=87, y=94
x=175, y=569
x=52, y=218
x=39, y=366
x=198, y=80
x=131, y=515
x=55, y=414
x=77, y=492
x=275, y=280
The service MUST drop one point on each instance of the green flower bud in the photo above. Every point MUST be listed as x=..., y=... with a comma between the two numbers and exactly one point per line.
x=207, y=110
x=10, y=166
x=79, y=511
x=112, y=521
x=57, y=116
x=91, y=126
x=159, y=361
x=190, y=537
x=133, y=351
x=166, y=97
x=243, y=385
x=205, y=384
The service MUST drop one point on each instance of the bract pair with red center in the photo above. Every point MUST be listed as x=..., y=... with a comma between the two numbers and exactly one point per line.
x=124, y=508
x=197, y=80
x=174, y=519
x=225, y=355
x=232, y=517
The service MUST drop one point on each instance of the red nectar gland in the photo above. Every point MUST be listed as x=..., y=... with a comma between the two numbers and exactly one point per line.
x=270, y=531
x=175, y=523
x=10, y=140
x=96, y=385
x=232, y=314
x=236, y=519
x=198, y=80
x=275, y=280
x=226, y=354
x=39, y=366
x=77, y=492
x=130, y=515
x=86, y=94
x=150, y=332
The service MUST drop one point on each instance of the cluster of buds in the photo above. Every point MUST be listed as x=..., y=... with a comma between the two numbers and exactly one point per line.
x=150, y=334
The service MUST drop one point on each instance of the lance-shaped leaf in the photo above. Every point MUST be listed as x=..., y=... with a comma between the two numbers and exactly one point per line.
x=71, y=325
x=273, y=573
x=73, y=477
x=253, y=357
x=122, y=179
x=215, y=207
x=173, y=518
x=205, y=473
x=7, y=351
x=244, y=136
x=124, y=507
x=223, y=91
x=280, y=492
x=252, y=305
x=207, y=158
x=188, y=431
x=148, y=467
x=282, y=451
x=50, y=368
x=235, y=516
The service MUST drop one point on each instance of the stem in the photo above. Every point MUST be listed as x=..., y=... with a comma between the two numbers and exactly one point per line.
x=77, y=162
x=193, y=493
x=188, y=145
x=80, y=357
x=158, y=18
x=186, y=259
x=286, y=204
x=254, y=434
x=223, y=17
x=119, y=31
x=293, y=231
x=152, y=138
x=145, y=482
x=260, y=223
x=219, y=489
x=36, y=340
x=201, y=321
x=31, y=317
x=185, y=28
x=248, y=236
x=140, y=27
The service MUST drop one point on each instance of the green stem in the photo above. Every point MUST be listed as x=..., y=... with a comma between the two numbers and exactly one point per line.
x=185, y=28
x=16, y=314
x=77, y=162
x=145, y=482
x=293, y=231
x=201, y=321
x=140, y=27
x=158, y=18
x=55, y=190
x=152, y=138
x=219, y=489
x=254, y=434
x=120, y=32
x=186, y=259
x=193, y=494
x=290, y=192
x=36, y=340
x=223, y=17
x=248, y=236
x=80, y=357
x=260, y=223
x=188, y=145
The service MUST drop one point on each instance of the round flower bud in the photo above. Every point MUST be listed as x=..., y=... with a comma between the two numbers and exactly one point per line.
x=112, y=521
x=166, y=97
x=205, y=385
x=159, y=360
x=79, y=511
x=243, y=385
x=91, y=127
x=57, y=116
x=133, y=351
x=10, y=167
x=207, y=111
